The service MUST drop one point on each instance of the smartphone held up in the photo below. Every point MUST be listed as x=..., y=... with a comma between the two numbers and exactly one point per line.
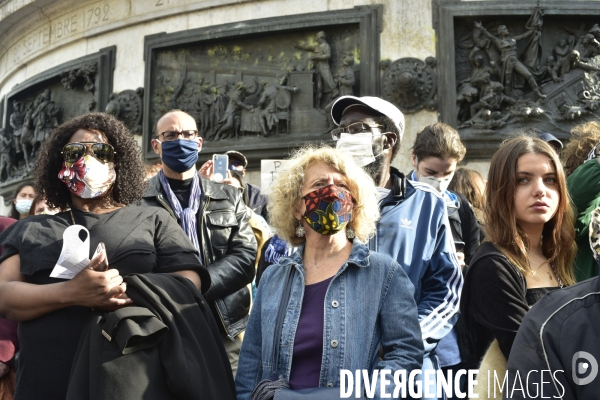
x=220, y=166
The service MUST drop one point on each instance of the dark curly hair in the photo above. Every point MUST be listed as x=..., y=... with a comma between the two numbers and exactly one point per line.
x=129, y=185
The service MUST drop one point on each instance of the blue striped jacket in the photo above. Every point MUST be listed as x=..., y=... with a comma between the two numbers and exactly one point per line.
x=414, y=230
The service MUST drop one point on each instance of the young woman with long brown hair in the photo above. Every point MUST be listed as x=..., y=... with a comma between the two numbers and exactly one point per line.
x=529, y=247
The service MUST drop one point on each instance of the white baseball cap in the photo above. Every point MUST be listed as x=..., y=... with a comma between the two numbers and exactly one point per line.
x=375, y=103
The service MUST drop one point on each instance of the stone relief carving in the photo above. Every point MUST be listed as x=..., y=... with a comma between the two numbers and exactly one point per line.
x=410, y=84
x=274, y=104
x=84, y=76
x=32, y=122
x=273, y=86
x=127, y=106
x=5, y=159
x=319, y=61
x=540, y=73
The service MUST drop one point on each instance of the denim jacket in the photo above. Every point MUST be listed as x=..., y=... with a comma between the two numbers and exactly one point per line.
x=369, y=303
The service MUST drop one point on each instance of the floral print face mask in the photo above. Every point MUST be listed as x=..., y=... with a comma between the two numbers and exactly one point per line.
x=328, y=209
x=88, y=177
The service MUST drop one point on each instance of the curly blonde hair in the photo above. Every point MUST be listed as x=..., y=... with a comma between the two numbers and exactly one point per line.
x=286, y=193
x=584, y=138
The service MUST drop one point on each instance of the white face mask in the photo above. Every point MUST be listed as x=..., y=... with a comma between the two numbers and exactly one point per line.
x=439, y=184
x=359, y=146
x=23, y=205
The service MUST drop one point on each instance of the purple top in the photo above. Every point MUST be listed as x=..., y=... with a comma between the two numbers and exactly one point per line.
x=308, y=343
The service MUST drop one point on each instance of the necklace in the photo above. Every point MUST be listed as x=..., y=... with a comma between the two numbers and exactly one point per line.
x=550, y=277
x=72, y=216
x=538, y=267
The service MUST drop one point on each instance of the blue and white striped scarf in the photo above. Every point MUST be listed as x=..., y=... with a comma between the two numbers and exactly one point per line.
x=187, y=217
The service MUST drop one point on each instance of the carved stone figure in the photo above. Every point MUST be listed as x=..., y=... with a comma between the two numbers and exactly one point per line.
x=16, y=122
x=205, y=102
x=220, y=104
x=589, y=46
x=172, y=101
x=509, y=59
x=475, y=87
x=550, y=70
x=27, y=144
x=574, y=61
x=44, y=118
x=85, y=75
x=561, y=50
x=5, y=161
x=321, y=55
x=268, y=111
x=346, y=79
x=231, y=118
x=495, y=99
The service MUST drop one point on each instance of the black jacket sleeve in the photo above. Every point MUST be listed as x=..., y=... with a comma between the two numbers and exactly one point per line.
x=494, y=302
x=470, y=228
x=235, y=269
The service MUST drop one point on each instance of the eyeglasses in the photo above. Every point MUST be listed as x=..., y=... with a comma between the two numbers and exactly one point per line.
x=357, y=127
x=74, y=151
x=189, y=134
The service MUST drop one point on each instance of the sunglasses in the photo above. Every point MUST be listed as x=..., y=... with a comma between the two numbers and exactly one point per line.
x=74, y=151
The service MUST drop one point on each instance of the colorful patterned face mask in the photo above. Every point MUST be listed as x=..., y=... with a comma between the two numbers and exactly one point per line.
x=87, y=177
x=328, y=209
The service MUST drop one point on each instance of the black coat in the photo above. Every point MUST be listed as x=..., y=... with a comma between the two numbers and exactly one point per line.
x=559, y=336
x=465, y=228
x=227, y=246
x=167, y=347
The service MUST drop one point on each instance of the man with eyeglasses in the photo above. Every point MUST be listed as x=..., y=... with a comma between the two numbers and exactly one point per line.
x=414, y=227
x=214, y=217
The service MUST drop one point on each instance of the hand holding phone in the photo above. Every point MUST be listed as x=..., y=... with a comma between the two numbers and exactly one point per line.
x=100, y=253
x=220, y=167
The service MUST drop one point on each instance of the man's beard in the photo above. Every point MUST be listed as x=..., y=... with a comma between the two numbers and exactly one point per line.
x=375, y=169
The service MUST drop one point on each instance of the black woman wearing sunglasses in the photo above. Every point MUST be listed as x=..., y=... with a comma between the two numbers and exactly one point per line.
x=90, y=167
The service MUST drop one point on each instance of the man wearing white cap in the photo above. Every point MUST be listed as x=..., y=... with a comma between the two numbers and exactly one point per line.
x=414, y=227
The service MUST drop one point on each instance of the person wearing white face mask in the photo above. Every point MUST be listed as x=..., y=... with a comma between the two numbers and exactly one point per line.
x=435, y=154
x=22, y=201
x=413, y=228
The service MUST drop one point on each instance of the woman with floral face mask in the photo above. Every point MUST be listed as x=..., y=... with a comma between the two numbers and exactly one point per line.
x=22, y=201
x=91, y=168
x=333, y=303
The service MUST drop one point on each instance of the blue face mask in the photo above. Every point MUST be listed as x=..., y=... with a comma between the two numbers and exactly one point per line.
x=179, y=155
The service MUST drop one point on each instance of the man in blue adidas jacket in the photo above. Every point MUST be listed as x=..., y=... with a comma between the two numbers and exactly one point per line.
x=414, y=227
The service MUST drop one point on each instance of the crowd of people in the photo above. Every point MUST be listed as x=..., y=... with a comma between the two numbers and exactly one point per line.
x=358, y=266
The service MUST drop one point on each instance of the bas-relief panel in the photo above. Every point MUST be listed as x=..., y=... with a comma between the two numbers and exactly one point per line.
x=274, y=85
x=264, y=86
x=539, y=71
x=533, y=71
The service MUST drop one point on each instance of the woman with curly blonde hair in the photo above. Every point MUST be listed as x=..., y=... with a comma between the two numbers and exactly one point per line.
x=583, y=139
x=333, y=303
